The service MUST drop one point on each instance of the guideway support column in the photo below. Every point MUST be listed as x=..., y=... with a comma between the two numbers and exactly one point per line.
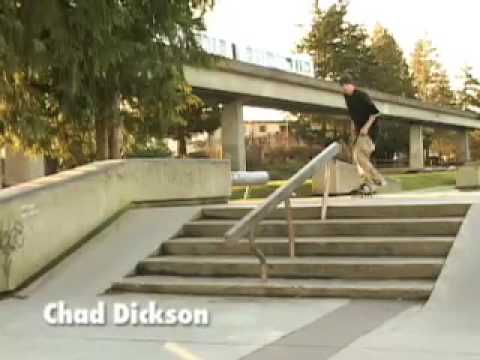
x=233, y=135
x=462, y=144
x=417, y=160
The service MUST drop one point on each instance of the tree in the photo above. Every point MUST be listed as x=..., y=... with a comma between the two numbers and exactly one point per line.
x=314, y=129
x=83, y=68
x=392, y=139
x=196, y=118
x=392, y=74
x=337, y=45
x=430, y=78
x=468, y=97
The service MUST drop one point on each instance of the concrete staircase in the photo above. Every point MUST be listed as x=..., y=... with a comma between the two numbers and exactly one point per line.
x=369, y=251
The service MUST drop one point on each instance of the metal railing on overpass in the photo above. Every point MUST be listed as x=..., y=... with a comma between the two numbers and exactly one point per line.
x=248, y=224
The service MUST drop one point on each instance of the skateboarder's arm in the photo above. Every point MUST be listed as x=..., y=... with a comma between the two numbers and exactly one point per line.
x=373, y=117
x=371, y=120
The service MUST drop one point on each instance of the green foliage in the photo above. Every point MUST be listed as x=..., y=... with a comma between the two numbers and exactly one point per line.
x=469, y=96
x=149, y=149
x=337, y=45
x=68, y=65
x=376, y=61
x=320, y=130
x=392, y=74
x=197, y=117
x=430, y=78
x=393, y=138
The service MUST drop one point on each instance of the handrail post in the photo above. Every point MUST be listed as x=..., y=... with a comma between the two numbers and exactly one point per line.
x=326, y=190
x=249, y=222
x=291, y=230
x=259, y=254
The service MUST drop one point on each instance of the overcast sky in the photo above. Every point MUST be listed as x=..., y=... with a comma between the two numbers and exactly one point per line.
x=279, y=24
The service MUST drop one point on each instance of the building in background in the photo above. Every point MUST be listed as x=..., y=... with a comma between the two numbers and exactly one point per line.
x=270, y=133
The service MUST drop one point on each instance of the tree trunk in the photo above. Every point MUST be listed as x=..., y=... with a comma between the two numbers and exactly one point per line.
x=115, y=142
x=101, y=137
x=182, y=144
x=51, y=165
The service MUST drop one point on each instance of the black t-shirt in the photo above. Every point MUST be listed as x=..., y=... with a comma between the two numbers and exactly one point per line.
x=360, y=107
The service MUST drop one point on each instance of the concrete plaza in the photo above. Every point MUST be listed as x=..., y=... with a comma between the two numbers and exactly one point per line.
x=447, y=327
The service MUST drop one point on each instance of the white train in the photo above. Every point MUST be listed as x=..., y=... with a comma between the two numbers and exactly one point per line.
x=296, y=63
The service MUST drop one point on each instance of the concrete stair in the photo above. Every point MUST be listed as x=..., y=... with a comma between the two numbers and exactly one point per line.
x=285, y=267
x=374, y=289
x=369, y=251
x=338, y=227
x=311, y=246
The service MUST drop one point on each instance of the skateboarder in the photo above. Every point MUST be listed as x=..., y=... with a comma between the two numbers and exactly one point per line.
x=364, y=114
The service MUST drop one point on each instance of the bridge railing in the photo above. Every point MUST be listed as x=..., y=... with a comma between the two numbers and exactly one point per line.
x=248, y=224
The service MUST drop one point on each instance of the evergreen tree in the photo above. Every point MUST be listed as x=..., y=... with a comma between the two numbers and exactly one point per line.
x=337, y=45
x=430, y=78
x=468, y=97
x=82, y=68
x=196, y=118
x=391, y=70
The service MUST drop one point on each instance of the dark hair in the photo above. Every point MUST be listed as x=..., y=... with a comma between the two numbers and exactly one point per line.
x=346, y=79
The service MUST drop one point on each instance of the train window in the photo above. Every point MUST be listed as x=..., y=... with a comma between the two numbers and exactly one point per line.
x=259, y=57
x=249, y=54
x=307, y=67
x=213, y=45
x=223, y=47
x=205, y=42
x=279, y=62
x=289, y=64
x=270, y=59
x=298, y=66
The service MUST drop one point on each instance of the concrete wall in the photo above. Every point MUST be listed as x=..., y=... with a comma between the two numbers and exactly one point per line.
x=60, y=210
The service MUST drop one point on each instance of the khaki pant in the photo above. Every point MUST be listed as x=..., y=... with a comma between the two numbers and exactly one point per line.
x=362, y=150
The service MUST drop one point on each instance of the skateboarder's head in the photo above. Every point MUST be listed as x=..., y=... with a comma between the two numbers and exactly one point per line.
x=348, y=84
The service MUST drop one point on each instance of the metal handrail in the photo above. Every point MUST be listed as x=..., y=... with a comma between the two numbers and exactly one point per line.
x=248, y=224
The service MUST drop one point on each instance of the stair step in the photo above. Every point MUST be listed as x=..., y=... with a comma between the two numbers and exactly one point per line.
x=375, y=289
x=328, y=246
x=304, y=267
x=338, y=227
x=425, y=210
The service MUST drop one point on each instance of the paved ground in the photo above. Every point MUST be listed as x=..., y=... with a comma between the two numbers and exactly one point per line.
x=242, y=328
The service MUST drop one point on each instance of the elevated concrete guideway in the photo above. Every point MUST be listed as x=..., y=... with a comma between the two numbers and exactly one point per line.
x=264, y=87
x=236, y=84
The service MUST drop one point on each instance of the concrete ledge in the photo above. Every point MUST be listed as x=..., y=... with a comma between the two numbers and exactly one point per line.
x=343, y=179
x=58, y=211
x=468, y=176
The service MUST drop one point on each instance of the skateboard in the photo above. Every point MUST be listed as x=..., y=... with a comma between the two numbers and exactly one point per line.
x=365, y=190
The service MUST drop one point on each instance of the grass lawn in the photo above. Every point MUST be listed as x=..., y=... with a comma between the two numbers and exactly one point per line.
x=421, y=181
x=410, y=182
x=261, y=192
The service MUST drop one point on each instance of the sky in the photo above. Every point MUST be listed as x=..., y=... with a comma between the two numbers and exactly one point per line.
x=278, y=25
